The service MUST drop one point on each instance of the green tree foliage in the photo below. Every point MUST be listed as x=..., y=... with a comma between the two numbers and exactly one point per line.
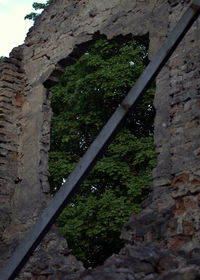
x=37, y=6
x=84, y=99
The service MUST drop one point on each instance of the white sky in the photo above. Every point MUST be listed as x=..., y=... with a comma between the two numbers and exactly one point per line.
x=13, y=27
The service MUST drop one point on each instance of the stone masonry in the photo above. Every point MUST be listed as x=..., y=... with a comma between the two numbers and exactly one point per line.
x=171, y=215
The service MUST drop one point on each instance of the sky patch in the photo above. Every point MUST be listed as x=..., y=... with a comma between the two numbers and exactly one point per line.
x=13, y=27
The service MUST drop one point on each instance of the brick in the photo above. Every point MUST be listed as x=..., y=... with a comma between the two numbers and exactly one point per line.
x=180, y=180
x=19, y=98
x=177, y=242
x=195, y=182
x=180, y=208
x=176, y=109
x=188, y=227
x=189, y=203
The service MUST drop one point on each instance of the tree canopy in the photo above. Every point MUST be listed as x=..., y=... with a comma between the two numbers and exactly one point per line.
x=37, y=6
x=86, y=96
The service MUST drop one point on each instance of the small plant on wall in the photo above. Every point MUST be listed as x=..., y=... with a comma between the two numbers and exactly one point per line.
x=37, y=7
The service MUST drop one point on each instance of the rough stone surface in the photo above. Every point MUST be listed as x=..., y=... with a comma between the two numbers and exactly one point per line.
x=148, y=262
x=52, y=259
x=171, y=214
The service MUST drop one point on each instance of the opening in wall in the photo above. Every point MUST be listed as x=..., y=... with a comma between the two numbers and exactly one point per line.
x=97, y=77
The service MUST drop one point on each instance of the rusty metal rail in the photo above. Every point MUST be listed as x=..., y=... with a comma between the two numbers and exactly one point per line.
x=95, y=151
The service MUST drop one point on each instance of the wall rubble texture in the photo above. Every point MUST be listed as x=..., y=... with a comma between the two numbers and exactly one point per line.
x=171, y=215
x=11, y=100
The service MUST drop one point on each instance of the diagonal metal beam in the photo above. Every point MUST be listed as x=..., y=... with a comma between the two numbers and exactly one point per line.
x=95, y=151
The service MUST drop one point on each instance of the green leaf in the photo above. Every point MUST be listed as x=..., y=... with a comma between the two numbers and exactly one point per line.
x=86, y=96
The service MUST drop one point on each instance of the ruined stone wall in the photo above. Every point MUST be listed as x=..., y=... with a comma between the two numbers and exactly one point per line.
x=60, y=35
x=11, y=100
x=172, y=216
